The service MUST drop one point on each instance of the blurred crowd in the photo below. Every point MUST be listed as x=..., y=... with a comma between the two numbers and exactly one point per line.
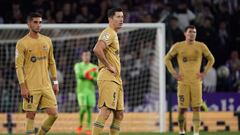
x=217, y=20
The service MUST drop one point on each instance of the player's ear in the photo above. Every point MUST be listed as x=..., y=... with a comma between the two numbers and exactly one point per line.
x=110, y=19
x=29, y=23
x=185, y=33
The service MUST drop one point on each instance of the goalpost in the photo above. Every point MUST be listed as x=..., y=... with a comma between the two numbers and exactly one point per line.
x=142, y=48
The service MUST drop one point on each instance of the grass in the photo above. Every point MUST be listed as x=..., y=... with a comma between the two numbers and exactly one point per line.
x=202, y=133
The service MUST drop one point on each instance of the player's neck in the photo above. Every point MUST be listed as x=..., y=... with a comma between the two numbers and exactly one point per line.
x=86, y=62
x=33, y=35
x=112, y=27
x=190, y=42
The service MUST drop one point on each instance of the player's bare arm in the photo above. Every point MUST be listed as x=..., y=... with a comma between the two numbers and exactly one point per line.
x=99, y=52
x=55, y=85
x=24, y=90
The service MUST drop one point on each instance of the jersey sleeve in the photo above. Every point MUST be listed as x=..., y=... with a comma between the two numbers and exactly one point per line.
x=172, y=53
x=107, y=37
x=78, y=71
x=19, y=60
x=208, y=55
x=51, y=61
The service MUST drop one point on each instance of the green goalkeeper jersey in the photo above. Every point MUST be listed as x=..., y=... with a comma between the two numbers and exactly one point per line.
x=86, y=76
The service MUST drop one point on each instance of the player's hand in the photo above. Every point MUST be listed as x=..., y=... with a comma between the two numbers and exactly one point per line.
x=88, y=75
x=178, y=77
x=91, y=70
x=201, y=75
x=94, y=69
x=112, y=69
x=24, y=91
x=55, y=89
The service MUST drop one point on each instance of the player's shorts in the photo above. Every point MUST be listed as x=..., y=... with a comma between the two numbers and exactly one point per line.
x=189, y=95
x=110, y=95
x=44, y=98
x=86, y=99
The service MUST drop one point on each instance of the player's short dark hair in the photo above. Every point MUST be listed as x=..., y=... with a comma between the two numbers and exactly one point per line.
x=189, y=27
x=85, y=50
x=112, y=11
x=32, y=15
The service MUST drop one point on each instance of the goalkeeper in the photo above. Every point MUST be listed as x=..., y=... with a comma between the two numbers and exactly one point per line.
x=86, y=75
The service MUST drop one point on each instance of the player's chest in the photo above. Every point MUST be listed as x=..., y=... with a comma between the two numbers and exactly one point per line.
x=37, y=48
x=192, y=53
x=115, y=43
x=115, y=46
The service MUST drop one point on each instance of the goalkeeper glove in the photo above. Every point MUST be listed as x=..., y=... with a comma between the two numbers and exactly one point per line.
x=88, y=73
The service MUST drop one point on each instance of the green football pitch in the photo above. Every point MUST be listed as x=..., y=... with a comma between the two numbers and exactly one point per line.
x=202, y=133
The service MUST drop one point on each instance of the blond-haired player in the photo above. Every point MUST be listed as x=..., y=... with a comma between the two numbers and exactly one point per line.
x=189, y=55
x=34, y=59
x=109, y=79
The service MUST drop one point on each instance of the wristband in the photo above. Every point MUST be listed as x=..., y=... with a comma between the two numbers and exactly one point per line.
x=55, y=82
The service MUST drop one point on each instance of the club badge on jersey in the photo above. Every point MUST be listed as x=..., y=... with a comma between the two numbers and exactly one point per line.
x=45, y=48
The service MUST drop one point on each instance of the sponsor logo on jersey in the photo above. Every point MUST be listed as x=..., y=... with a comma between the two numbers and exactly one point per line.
x=42, y=58
x=34, y=58
x=185, y=59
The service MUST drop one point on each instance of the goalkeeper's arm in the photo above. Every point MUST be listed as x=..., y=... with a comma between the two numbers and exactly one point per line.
x=79, y=71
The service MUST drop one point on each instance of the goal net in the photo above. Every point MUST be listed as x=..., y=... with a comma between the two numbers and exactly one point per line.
x=141, y=52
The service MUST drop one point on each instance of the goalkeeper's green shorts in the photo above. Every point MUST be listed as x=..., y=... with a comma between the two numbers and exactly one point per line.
x=86, y=99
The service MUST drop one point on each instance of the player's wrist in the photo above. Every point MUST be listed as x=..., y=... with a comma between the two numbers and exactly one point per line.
x=55, y=82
